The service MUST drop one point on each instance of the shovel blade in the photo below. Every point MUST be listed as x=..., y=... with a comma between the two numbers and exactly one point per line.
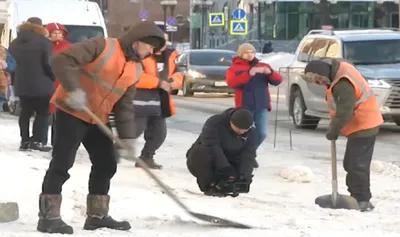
x=342, y=202
x=220, y=221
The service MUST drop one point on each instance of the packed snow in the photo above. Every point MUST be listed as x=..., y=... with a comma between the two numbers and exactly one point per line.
x=275, y=206
x=297, y=174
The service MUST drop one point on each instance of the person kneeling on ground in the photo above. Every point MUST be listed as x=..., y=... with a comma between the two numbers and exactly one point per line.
x=223, y=155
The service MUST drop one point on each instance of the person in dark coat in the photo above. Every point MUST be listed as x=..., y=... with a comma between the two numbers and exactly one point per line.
x=224, y=152
x=33, y=81
x=267, y=48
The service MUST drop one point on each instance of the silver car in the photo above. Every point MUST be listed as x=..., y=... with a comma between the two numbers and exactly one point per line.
x=374, y=52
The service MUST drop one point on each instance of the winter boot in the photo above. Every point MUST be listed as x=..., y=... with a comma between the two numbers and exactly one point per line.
x=49, y=215
x=24, y=146
x=38, y=146
x=255, y=164
x=97, y=214
x=365, y=206
x=150, y=163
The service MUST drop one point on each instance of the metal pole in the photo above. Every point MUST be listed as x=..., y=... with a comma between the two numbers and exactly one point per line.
x=172, y=14
x=202, y=26
x=259, y=21
x=164, y=7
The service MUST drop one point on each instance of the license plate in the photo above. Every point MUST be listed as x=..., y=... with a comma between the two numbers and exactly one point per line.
x=220, y=83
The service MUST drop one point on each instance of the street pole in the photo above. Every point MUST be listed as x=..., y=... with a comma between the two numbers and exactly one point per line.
x=259, y=21
x=164, y=7
x=202, y=25
x=172, y=14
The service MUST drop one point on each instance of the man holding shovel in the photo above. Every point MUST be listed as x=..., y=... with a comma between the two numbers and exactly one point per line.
x=355, y=114
x=97, y=76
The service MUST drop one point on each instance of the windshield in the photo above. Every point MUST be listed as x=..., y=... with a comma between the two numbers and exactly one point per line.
x=372, y=52
x=81, y=33
x=211, y=58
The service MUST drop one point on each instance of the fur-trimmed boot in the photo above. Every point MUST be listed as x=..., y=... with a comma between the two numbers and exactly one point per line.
x=49, y=215
x=97, y=214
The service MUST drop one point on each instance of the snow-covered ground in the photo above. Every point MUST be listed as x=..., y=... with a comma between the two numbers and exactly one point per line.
x=278, y=206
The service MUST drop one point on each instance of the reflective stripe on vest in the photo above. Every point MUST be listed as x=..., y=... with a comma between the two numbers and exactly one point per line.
x=93, y=74
x=365, y=92
x=146, y=103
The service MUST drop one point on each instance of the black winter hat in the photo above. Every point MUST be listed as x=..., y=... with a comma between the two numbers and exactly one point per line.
x=154, y=41
x=242, y=118
x=319, y=67
x=35, y=20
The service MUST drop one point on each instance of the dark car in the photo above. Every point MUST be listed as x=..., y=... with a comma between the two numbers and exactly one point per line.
x=204, y=70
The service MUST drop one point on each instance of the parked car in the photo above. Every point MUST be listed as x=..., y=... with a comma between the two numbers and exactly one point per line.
x=374, y=52
x=204, y=70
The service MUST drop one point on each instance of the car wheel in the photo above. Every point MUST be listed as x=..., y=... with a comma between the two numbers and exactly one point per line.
x=298, y=109
x=174, y=92
x=186, y=89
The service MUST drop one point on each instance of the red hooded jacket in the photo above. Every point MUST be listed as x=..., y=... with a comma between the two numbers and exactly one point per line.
x=57, y=46
x=251, y=91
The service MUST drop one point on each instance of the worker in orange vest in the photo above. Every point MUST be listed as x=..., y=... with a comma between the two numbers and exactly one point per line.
x=355, y=114
x=99, y=74
x=153, y=101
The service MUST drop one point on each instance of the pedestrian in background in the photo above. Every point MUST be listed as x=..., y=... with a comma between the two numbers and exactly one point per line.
x=250, y=79
x=33, y=82
x=58, y=35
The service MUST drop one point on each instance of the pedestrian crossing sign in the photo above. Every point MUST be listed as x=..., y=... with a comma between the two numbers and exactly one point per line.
x=216, y=19
x=238, y=27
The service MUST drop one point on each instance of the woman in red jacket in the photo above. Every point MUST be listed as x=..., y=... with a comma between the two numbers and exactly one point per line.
x=58, y=34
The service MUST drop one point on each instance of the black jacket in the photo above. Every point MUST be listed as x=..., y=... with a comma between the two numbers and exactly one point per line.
x=227, y=147
x=32, y=51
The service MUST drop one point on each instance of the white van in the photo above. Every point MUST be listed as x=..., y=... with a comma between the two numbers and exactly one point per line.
x=82, y=19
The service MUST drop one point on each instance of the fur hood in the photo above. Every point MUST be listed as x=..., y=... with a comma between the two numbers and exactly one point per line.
x=33, y=27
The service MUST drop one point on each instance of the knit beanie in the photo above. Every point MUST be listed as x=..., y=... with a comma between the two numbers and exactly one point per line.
x=35, y=20
x=154, y=41
x=242, y=118
x=244, y=47
x=319, y=67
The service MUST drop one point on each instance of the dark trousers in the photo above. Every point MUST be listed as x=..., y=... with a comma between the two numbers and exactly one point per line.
x=53, y=128
x=71, y=132
x=155, y=132
x=357, y=162
x=200, y=165
x=38, y=106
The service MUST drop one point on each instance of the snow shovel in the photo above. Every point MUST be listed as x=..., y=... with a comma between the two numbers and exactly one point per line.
x=203, y=217
x=336, y=200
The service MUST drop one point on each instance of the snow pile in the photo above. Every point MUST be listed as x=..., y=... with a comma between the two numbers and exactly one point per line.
x=298, y=173
x=385, y=168
x=277, y=60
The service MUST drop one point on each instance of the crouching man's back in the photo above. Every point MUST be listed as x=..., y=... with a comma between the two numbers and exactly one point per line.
x=222, y=157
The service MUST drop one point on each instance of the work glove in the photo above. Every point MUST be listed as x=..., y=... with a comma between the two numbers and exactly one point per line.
x=332, y=134
x=76, y=99
x=226, y=174
x=130, y=152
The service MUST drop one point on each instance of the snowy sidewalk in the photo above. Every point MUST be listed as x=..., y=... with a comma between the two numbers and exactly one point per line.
x=280, y=207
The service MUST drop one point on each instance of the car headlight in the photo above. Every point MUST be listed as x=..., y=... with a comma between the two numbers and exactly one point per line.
x=195, y=74
x=378, y=83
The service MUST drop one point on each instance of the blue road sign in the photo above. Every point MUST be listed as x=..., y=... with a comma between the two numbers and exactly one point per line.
x=238, y=27
x=216, y=19
x=238, y=14
x=143, y=14
x=171, y=20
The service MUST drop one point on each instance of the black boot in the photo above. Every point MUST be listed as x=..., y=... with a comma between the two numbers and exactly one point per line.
x=365, y=206
x=49, y=215
x=97, y=214
x=24, y=146
x=38, y=146
x=150, y=163
x=255, y=164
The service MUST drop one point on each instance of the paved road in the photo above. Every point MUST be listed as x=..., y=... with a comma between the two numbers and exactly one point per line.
x=193, y=111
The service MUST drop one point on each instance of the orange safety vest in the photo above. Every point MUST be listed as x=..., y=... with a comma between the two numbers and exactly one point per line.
x=366, y=111
x=104, y=80
x=150, y=68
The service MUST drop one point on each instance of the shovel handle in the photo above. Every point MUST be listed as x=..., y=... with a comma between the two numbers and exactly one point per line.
x=334, y=167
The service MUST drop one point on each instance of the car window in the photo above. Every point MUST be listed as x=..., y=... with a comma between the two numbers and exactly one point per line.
x=333, y=50
x=319, y=48
x=372, y=51
x=210, y=58
x=81, y=33
x=305, y=50
x=182, y=59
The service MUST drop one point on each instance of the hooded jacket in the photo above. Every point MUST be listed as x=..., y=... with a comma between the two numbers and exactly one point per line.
x=251, y=91
x=67, y=63
x=225, y=146
x=57, y=46
x=32, y=52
